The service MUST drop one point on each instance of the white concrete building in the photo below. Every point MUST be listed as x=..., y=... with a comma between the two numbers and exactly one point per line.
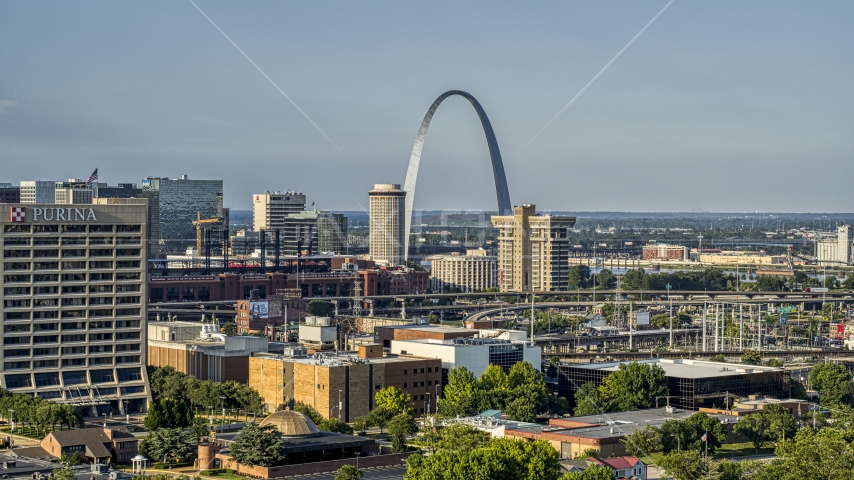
x=476, y=354
x=269, y=209
x=472, y=272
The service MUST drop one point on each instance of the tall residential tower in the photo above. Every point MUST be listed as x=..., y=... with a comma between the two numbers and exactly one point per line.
x=533, y=250
x=387, y=223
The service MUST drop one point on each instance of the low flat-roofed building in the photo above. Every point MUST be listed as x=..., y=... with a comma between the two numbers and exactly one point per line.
x=413, y=331
x=476, y=354
x=347, y=381
x=199, y=350
x=604, y=432
x=693, y=383
x=95, y=444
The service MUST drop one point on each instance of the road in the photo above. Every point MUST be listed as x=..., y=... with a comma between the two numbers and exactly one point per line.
x=380, y=473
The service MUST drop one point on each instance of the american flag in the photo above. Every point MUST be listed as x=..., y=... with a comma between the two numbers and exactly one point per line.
x=705, y=437
x=92, y=178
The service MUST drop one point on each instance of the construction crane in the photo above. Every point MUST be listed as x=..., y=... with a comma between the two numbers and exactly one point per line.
x=198, y=223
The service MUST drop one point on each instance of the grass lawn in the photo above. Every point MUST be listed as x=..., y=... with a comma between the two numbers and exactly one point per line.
x=229, y=476
x=28, y=432
x=729, y=450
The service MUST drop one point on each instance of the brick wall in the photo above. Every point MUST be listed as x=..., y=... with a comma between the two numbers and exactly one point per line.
x=314, y=467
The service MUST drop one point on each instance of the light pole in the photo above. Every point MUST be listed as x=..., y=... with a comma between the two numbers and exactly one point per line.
x=12, y=420
x=105, y=419
x=222, y=405
x=671, y=314
x=339, y=405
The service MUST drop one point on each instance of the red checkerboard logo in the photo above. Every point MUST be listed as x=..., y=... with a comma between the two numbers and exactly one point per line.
x=19, y=214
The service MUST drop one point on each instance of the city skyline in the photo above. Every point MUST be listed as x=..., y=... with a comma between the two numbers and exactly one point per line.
x=715, y=107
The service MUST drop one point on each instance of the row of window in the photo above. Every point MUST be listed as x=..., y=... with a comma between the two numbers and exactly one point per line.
x=48, y=379
x=27, y=241
x=81, y=350
x=48, y=327
x=69, y=289
x=77, y=265
x=70, y=362
x=77, y=337
x=72, y=252
x=69, y=277
x=77, y=228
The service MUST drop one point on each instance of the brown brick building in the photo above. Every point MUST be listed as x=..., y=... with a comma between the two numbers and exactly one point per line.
x=319, y=383
x=384, y=335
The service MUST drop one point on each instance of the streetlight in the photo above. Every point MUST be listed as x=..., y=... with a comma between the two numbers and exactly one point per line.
x=678, y=443
x=669, y=297
x=339, y=405
x=222, y=405
x=105, y=419
x=12, y=420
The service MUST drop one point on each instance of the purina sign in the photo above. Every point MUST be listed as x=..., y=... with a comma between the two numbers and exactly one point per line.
x=69, y=214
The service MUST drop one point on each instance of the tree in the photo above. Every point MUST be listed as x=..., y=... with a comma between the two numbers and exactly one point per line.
x=258, y=445
x=783, y=423
x=319, y=308
x=360, y=424
x=348, y=472
x=774, y=362
x=460, y=394
x=751, y=357
x=578, y=276
x=755, y=427
x=588, y=401
x=606, y=279
x=400, y=427
x=379, y=417
x=554, y=364
x=833, y=384
x=799, y=391
x=165, y=443
x=718, y=358
x=700, y=424
x=169, y=413
x=683, y=465
x=229, y=329
x=822, y=454
x=395, y=400
x=64, y=473
x=633, y=386
x=594, y=472
x=461, y=438
x=334, y=425
x=642, y=443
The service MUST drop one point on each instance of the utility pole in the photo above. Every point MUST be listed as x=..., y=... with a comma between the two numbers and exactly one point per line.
x=741, y=327
x=671, y=314
x=717, y=328
x=705, y=309
x=532, y=317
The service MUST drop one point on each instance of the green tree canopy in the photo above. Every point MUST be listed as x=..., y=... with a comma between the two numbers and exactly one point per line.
x=400, y=427
x=319, y=308
x=258, y=445
x=594, y=472
x=751, y=357
x=334, y=425
x=461, y=437
x=643, y=442
x=684, y=465
x=379, y=417
x=633, y=386
x=833, y=384
x=169, y=413
x=395, y=400
x=309, y=412
x=64, y=473
x=460, y=394
x=497, y=460
x=588, y=400
x=348, y=472
x=166, y=444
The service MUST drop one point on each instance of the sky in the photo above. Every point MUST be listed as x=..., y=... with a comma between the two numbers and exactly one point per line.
x=717, y=106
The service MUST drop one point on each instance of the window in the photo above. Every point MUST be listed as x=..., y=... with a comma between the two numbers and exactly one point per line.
x=52, y=253
x=101, y=312
x=73, y=289
x=73, y=326
x=45, y=228
x=127, y=264
x=101, y=228
x=44, y=315
x=73, y=378
x=16, y=303
x=17, y=241
x=128, y=240
x=80, y=337
x=73, y=350
x=100, y=240
x=51, y=394
x=16, y=315
x=16, y=365
x=127, y=276
x=16, y=278
x=127, y=252
x=74, y=362
x=21, y=380
x=93, y=265
x=46, y=327
x=188, y=294
x=73, y=265
x=16, y=229
x=100, y=349
x=128, y=359
x=16, y=352
x=73, y=313
x=16, y=254
x=100, y=337
x=45, y=363
x=74, y=241
x=129, y=228
x=15, y=328
x=155, y=295
x=80, y=301
x=46, y=266
x=122, y=312
x=46, y=241
x=172, y=294
x=132, y=390
x=127, y=336
x=46, y=277
x=101, y=252
x=73, y=277
x=96, y=325
x=45, y=302
x=128, y=374
x=101, y=301
x=16, y=291
x=73, y=252
x=16, y=266
x=204, y=294
x=101, y=376
x=127, y=324
x=127, y=288
x=38, y=352
x=100, y=277
x=129, y=347
x=16, y=340
x=45, y=338
x=74, y=228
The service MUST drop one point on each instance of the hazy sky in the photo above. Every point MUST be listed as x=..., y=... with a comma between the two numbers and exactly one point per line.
x=717, y=106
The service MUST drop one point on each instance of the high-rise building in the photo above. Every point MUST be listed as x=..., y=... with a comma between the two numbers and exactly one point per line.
x=174, y=204
x=533, y=250
x=122, y=190
x=74, y=191
x=9, y=193
x=835, y=250
x=74, y=304
x=37, y=191
x=475, y=271
x=269, y=209
x=320, y=232
x=387, y=223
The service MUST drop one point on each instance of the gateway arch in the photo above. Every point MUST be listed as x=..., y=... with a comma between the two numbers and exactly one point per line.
x=504, y=205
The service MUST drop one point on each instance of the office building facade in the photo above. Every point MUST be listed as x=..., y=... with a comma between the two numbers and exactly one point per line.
x=473, y=272
x=175, y=203
x=387, y=223
x=533, y=250
x=74, y=312
x=661, y=251
x=71, y=192
x=318, y=232
x=269, y=209
x=37, y=191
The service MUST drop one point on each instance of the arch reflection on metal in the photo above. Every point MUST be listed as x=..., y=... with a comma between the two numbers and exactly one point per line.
x=504, y=205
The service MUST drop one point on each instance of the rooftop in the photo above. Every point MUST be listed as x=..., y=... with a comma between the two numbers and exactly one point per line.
x=685, y=368
x=333, y=359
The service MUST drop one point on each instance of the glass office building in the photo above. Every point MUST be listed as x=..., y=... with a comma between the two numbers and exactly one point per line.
x=692, y=383
x=175, y=203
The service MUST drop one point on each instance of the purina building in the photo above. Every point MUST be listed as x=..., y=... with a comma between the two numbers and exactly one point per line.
x=73, y=303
